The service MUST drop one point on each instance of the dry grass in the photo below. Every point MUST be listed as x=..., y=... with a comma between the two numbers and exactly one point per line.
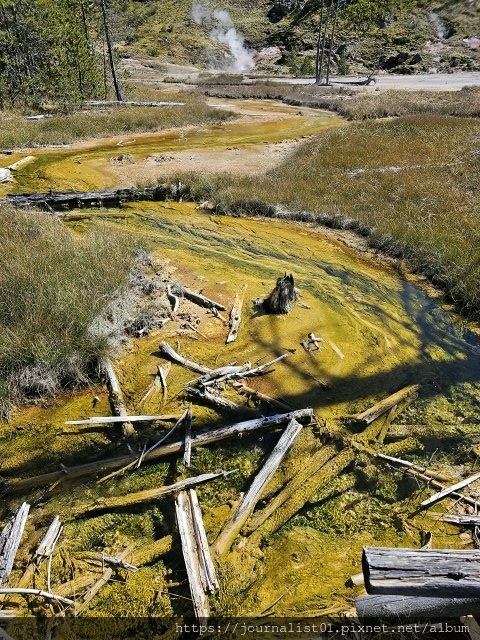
x=411, y=184
x=53, y=288
x=17, y=131
x=361, y=105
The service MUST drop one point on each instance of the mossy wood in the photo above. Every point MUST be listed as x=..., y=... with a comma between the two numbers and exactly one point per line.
x=443, y=573
x=247, y=505
x=371, y=414
x=236, y=315
x=115, y=396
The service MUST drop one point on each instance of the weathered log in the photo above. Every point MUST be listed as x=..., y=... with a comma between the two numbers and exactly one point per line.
x=449, y=490
x=410, y=608
x=232, y=528
x=463, y=521
x=204, y=549
x=407, y=445
x=187, y=453
x=191, y=555
x=211, y=398
x=10, y=540
x=236, y=315
x=116, y=399
x=312, y=466
x=198, y=298
x=282, y=297
x=257, y=397
x=220, y=374
x=444, y=573
x=149, y=553
x=385, y=405
x=132, y=103
x=105, y=504
x=238, y=373
x=297, y=499
x=159, y=382
x=36, y=592
x=202, y=439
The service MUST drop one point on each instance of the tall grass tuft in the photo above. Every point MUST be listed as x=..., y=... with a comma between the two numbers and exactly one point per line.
x=54, y=286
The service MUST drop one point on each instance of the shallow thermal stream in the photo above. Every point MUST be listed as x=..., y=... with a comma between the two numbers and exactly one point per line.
x=379, y=333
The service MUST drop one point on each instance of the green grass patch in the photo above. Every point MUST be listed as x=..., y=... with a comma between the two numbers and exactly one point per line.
x=17, y=131
x=411, y=184
x=54, y=287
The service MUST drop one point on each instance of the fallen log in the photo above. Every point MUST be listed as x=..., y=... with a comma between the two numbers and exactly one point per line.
x=410, y=608
x=282, y=297
x=297, y=499
x=449, y=490
x=202, y=439
x=256, y=396
x=106, y=504
x=434, y=475
x=206, y=562
x=443, y=573
x=116, y=399
x=173, y=299
x=191, y=555
x=368, y=416
x=159, y=382
x=101, y=559
x=236, y=315
x=232, y=528
x=10, y=540
x=316, y=462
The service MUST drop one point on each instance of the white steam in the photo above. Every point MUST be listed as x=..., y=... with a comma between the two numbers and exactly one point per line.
x=438, y=24
x=222, y=30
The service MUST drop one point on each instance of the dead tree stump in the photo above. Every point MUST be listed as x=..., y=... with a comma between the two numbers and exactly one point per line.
x=282, y=297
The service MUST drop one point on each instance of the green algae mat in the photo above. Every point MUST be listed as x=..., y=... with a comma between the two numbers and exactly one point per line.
x=378, y=331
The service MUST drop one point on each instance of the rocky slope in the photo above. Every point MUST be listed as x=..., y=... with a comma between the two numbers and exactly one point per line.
x=238, y=35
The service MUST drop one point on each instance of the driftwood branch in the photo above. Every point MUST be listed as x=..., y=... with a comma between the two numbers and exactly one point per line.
x=50, y=539
x=247, y=505
x=212, y=398
x=198, y=298
x=187, y=453
x=443, y=573
x=206, y=562
x=387, y=404
x=449, y=490
x=167, y=351
x=101, y=559
x=108, y=419
x=463, y=521
x=236, y=315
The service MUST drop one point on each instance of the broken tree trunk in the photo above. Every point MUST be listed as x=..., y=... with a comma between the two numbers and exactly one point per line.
x=148, y=494
x=173, y=299
x=250, y=499
x=404, y=608
x=443, y=573
x=191, y=555
x=159, y=382
x=236, y=315
x=10, y=540
x=116, y=399
x=282, y=297
x=202, y=439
